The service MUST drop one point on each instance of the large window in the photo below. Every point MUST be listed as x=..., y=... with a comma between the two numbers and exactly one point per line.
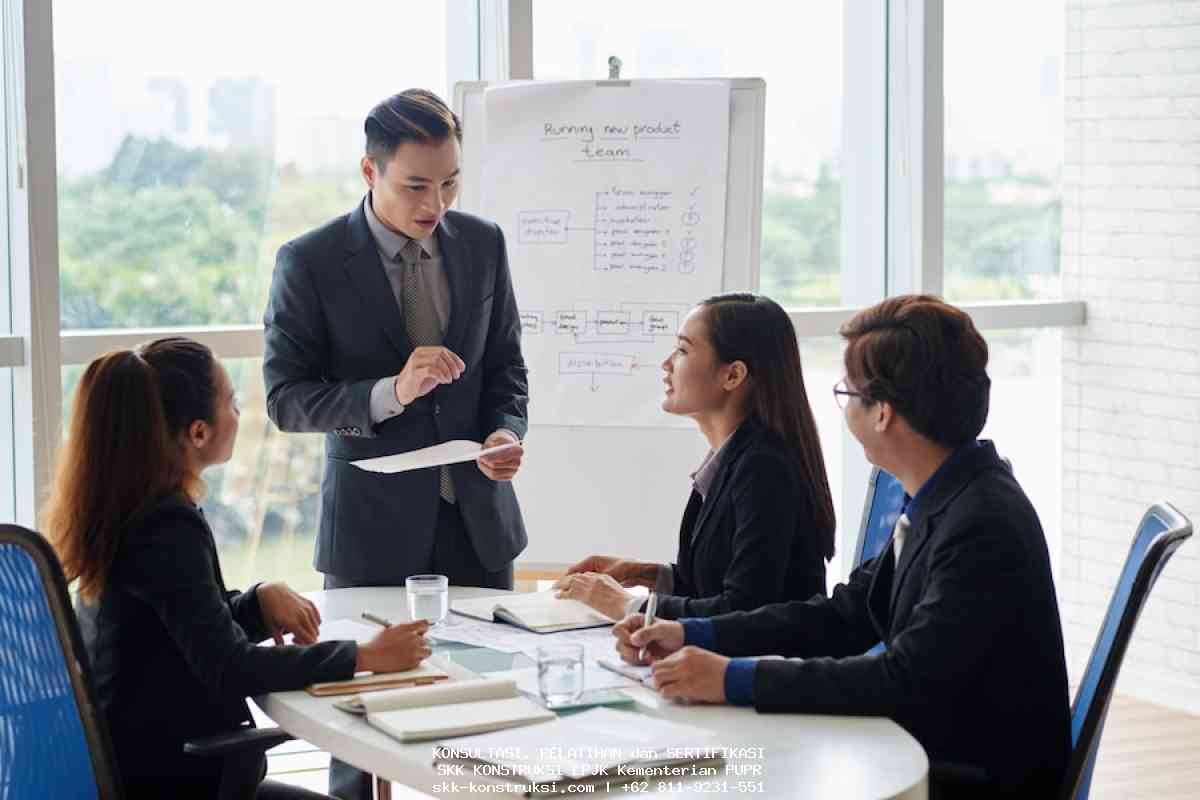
x=1025, y=417
x=796, y=48
x=1004, y=148
x=190, y=147
x=192, y=142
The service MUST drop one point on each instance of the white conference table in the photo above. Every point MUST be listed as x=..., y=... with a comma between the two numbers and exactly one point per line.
x=801, y=755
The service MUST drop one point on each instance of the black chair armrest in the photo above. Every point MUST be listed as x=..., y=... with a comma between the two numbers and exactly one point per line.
x=245, y=740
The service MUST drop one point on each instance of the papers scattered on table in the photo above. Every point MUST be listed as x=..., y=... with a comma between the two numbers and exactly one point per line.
x=585, y=747
x=596, y=642
x=631, y=672
x=451, y=452
x=334, y=630
x=337, y=630
x=593, y=678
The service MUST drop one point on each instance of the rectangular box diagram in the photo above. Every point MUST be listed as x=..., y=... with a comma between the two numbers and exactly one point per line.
x=542, y=227
x=570, y=322
x=531, y=322
x=612, y=322
x=594, y=364
x=660, y=323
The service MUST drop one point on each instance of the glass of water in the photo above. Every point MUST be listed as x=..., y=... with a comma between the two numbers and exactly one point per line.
x=428, y=597
x=560, y=673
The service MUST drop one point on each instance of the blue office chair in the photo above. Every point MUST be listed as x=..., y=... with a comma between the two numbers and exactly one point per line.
x=885, y=498
x=53, y=741
x=1162, y=530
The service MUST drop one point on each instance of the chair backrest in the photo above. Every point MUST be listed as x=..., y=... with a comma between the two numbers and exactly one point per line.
x=885, y=498
x=1162, y=530
x=52, y=741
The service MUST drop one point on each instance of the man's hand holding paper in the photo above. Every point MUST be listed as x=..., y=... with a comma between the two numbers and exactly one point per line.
x=501, y=464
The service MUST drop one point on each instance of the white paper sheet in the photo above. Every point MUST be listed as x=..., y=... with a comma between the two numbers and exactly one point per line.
x=338, y=630
x=597, y=642
x=452, y=452
x=593, y=678
x=613, y=202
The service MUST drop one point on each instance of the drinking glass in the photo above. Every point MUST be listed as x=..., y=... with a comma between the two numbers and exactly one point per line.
x=428, y=597
x=560, y=673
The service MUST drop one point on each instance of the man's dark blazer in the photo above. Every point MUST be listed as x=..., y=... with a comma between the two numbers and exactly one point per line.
x=333, y=328
x=974, y=666
x=174, y=653
x=753, y=541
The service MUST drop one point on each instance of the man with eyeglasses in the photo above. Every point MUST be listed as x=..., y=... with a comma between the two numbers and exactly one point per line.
x=962, y=598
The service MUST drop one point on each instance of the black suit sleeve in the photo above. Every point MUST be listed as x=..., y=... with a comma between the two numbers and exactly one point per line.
x=766, y=512
x=247, y=613
x=966, y=607
x=171, y=570
x=837, y=626
x=301, y=397
x=505, y=395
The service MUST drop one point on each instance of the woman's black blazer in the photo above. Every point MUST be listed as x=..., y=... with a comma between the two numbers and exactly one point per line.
x=174, y=653
x=753, y=541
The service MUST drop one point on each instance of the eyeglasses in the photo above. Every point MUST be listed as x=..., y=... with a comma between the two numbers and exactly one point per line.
x=842, y=394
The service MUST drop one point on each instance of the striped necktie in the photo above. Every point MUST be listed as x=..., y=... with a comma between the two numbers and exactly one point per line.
x=422, y=325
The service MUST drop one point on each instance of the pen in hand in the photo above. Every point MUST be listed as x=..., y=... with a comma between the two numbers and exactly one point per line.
x=369, y=617
x=648, y=620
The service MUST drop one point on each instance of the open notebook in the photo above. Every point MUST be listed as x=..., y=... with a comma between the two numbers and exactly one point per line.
x=456, y=708
x=540, y=612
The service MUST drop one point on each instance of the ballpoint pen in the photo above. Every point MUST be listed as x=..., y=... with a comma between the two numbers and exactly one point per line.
x=648, y=620
x=369, y=617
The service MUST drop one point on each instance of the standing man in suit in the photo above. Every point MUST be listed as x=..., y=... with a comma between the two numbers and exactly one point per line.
x=393, y=328
x=962, y=597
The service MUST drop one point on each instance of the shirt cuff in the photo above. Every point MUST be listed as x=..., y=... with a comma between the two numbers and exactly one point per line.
x=634, y=604
x=384, y=404
x=664, y=579
x=699, y=632
x=739, y=681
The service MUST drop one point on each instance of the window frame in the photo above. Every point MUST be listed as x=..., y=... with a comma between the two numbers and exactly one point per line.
x=893, y=125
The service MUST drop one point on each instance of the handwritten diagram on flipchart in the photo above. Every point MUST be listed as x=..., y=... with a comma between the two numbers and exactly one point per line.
x=613, y=202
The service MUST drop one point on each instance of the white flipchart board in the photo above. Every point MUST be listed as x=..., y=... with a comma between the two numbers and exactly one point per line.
x=612, y=490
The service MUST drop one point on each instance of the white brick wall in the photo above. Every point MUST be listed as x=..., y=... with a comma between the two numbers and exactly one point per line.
x=1131, y=377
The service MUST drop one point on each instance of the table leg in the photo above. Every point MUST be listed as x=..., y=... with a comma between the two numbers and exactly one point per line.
x=383, y=788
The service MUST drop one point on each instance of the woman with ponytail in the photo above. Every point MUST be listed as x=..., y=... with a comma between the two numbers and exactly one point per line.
x=174, y=652
x=759, y=525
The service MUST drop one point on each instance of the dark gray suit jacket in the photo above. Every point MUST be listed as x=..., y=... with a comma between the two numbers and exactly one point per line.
x=974, y=666
x=333, y=328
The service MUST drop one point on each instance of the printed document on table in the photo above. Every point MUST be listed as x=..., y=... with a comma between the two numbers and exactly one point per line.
x=452, y=452
x=597, y=642
x=594, y=677
x=339, y=630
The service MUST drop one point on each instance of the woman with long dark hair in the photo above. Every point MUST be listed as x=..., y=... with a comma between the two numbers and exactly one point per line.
x=173, y=651
x=759, y=525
